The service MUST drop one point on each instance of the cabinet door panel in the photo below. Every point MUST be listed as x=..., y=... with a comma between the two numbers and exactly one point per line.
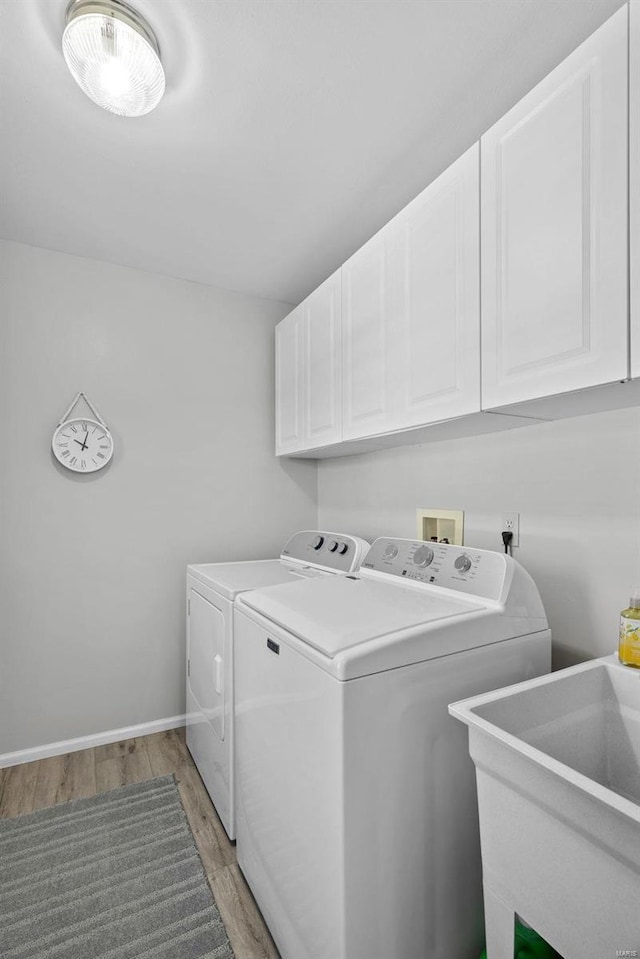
x=438, y=298
x=634, y=180
x=323, y=366
x=289, y=383
x=554, y=202
x=367, y=320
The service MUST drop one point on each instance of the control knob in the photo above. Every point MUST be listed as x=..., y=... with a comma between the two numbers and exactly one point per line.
x=332, y=545
x=423, y=556
x=318, y=541
x=463, y=563
x=391, y=551
x=343, y=548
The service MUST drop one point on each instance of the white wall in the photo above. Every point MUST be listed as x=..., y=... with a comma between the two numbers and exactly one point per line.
x=92, y=568
x=575, y=484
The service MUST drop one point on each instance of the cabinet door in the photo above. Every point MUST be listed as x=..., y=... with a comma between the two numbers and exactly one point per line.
x=438, y=297
x=554, y=229
x=634, y=180
x=289, y=383
x=367, y=338
x=323, y=365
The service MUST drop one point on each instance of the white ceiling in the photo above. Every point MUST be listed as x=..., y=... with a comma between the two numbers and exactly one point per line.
x=291, y=130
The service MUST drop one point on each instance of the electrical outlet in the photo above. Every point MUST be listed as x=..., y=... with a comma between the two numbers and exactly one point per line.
x=511, y=522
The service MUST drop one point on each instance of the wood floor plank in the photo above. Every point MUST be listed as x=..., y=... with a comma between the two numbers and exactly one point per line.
x=50, y=775
x=110, y=750
x=218, y=850
x=213, y=844
x=169, y=754
x=130, y=764
x=245, y=926
x=78, y=779
x=19, y=789
x=166, y=752
x=109, y=775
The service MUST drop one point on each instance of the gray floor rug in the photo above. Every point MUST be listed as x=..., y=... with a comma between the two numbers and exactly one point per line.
x=117, y=876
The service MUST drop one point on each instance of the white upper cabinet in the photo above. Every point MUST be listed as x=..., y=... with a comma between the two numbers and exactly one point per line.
x=323, y=364
x=289, y=383
x=634, y=180
x=368, y=338
x=554, y=229
x=505, y=281
x=308, y=372
x=437, y=283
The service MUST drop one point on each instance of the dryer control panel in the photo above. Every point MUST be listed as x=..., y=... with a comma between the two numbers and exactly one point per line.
x=339, y=552
x=479, y=572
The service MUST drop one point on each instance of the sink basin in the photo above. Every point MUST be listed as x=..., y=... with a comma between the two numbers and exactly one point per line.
x=558, y=775
x=586, y=719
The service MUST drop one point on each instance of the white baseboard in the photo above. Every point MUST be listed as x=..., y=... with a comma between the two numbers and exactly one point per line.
x=86, y=742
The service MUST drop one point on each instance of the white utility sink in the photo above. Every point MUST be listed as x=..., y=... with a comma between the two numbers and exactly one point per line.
x=558, y=774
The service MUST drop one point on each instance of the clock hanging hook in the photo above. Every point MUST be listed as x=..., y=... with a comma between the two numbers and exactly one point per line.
x=78, y=396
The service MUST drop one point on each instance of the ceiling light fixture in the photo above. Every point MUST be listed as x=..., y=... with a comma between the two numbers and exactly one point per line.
x=113, y=56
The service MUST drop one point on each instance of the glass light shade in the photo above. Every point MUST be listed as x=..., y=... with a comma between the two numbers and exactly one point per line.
x=113, y=57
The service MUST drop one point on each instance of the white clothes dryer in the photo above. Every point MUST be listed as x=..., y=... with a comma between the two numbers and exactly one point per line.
x=357, y=823
x=211, y=590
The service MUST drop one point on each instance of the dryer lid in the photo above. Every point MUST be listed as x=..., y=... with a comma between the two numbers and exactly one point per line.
x=340, y=612
x=229, y=579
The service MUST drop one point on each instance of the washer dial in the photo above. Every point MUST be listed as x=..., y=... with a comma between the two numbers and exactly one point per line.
x=423, y=556
x=463, y=563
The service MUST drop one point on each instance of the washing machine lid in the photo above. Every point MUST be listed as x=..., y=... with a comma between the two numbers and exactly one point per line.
x=230, y=579
x=340, y=612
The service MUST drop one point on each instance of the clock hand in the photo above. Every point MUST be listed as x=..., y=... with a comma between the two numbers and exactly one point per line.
x=79, y=443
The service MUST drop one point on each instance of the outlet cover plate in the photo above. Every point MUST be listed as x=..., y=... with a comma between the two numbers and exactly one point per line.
x=511, y=522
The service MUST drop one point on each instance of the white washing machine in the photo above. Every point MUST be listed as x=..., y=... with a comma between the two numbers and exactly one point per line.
x=357, y=824
x=211, y=590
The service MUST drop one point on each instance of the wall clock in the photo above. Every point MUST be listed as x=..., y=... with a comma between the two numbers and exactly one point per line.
x=82, y=444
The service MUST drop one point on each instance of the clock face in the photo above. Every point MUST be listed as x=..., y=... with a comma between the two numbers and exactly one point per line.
x=82, y=445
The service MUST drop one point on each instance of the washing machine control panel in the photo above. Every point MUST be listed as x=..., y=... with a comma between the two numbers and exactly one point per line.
x=335, y=551
x=480, y=572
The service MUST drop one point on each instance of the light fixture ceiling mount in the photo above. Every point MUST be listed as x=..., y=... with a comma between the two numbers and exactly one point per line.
x=113, y=56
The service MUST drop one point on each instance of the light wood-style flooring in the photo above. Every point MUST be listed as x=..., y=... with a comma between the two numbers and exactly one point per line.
x=76, y=775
